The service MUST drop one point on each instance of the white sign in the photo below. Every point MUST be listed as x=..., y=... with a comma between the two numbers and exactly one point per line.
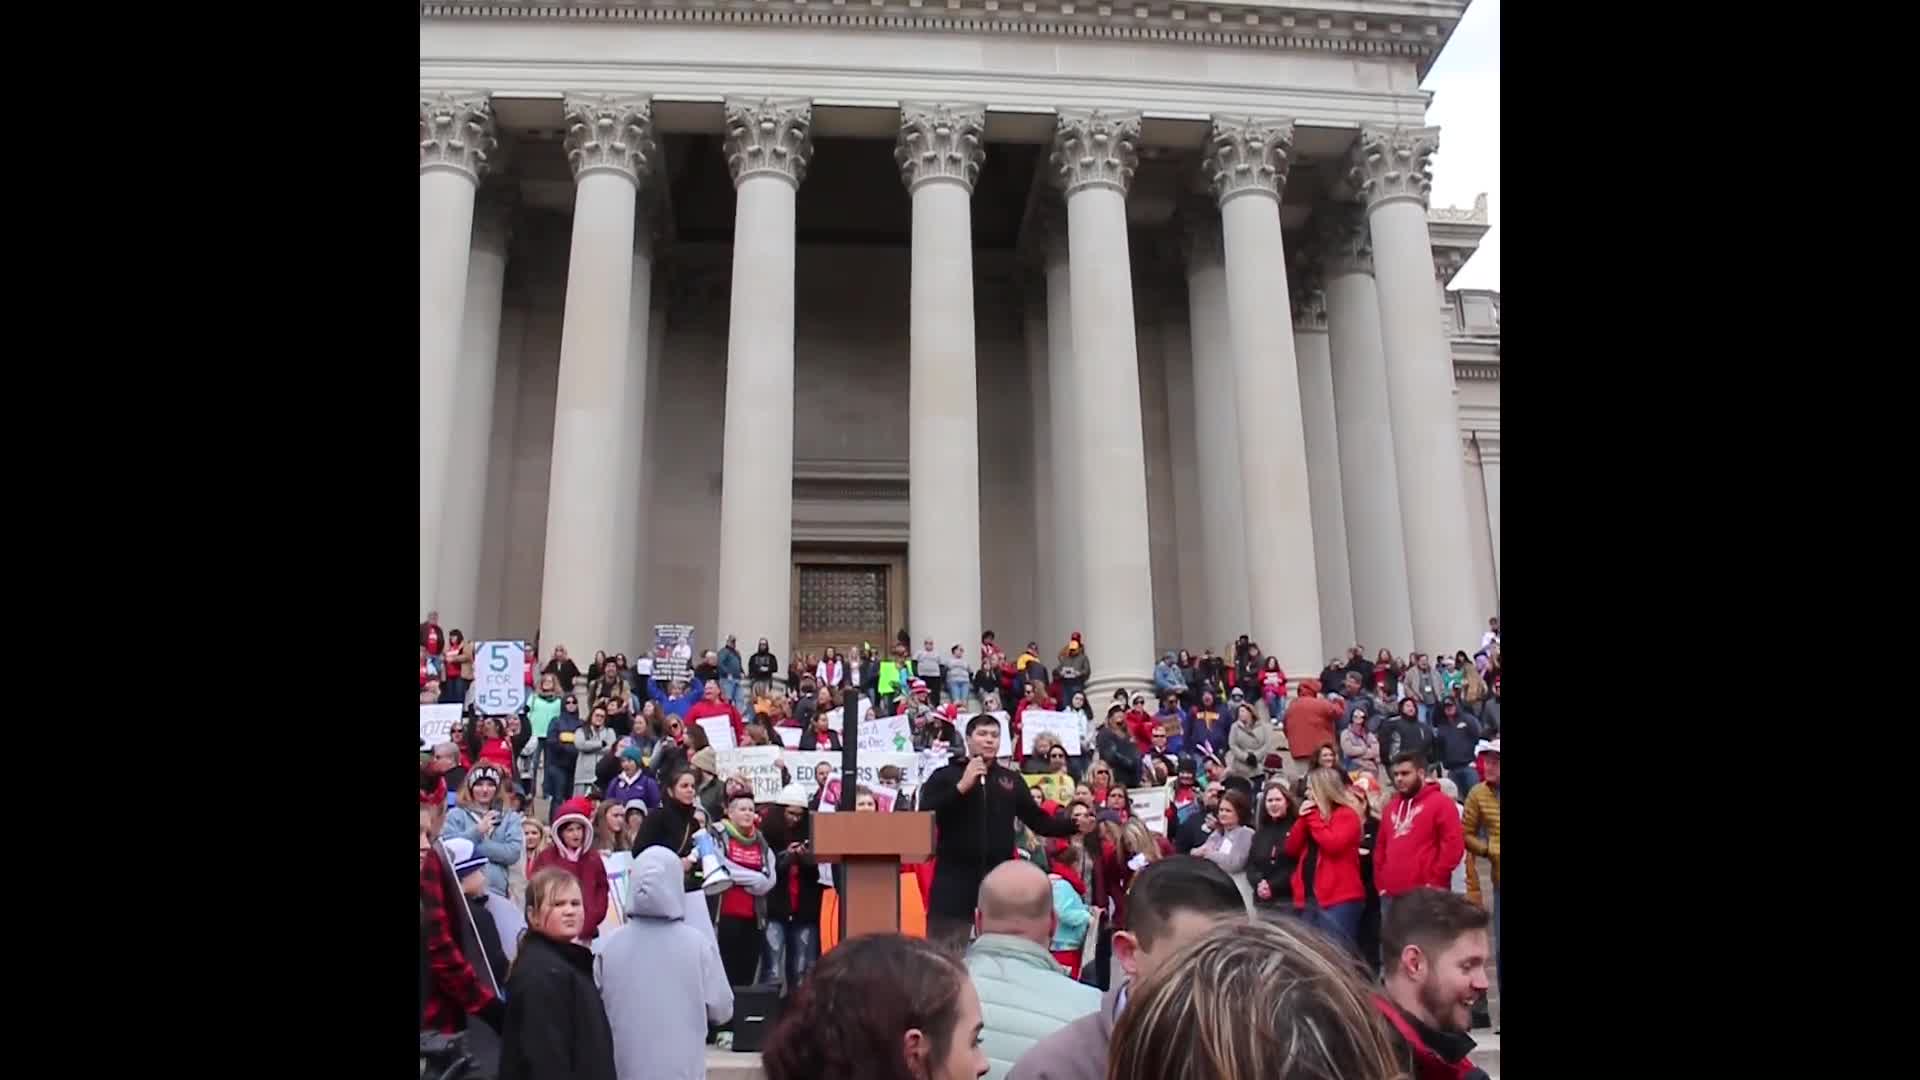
x=1064, y=726
x=889, y=733
x=499, y=677
x=760, y=763
x=643, y=665
x=719, y=731
x=790, y=736
x=1151, y=808
x=436, y=723
x=1006, y=742
x=834, y=716
x=803, y=762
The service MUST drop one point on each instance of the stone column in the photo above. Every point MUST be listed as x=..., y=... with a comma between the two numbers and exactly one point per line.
x=1369, y=490
x=1246, y=166
x=1095, y=152
x=1216, y=430
x=1310, y=345
x=1391, y=169
x=610, y=147
x=463, y=520
x=768, y=144
x=456, y=137
x=939, y=151
x=1064, y=579
x=1034, y=326
x=1489, y=448
x=625, y=486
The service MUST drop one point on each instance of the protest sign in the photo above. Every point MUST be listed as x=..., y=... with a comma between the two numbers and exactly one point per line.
x=802, y=762
x=760, y=763
x=672, y=651
x=891, y=733
x=1064, y=726
x=789, y=736
x=883, y=797
x=1150, y=806
x=436, y=721
x=719, y=731
x=1055, y=786
x=499, y=677
x=834, y=716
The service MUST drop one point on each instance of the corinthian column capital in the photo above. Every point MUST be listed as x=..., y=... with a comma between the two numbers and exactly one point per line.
x=769, y=137
x=941, y=142
x=610, y=133
x=1095, y=148
x=1345, y=242
x=456, y=132
x=1391, y=163
x=1247, y=154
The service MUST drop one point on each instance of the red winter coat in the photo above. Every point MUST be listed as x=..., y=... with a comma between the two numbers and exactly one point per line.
x=1336, y=873
x=1420, y=843
x=591, y=870
x=702, y=709
x=1140, y=725
x=1427, y=1062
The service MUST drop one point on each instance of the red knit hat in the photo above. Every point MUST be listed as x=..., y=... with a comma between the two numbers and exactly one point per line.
x=1075, y=635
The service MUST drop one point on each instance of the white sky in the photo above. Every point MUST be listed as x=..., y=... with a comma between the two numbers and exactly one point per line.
x=1465, y=83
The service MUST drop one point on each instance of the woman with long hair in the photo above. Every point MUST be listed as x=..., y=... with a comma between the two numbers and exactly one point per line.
x=882, y=1007
x=1099, y=778
x=1264, y=1000
x=1386, y=672
x=535, y=840
x=591, y=743
x=1325, y=842
x=481, y=817
x=1269, y=867
x=1231, y=840
x=1360, y=747
x=614, y=846
x=491, y=744
x=555, y=1024
x=1273, y=687
x=572, y=851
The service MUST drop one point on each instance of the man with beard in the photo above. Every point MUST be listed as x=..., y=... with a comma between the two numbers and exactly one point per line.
x=1436, y=969
x=973, y=803
x=1420, y=837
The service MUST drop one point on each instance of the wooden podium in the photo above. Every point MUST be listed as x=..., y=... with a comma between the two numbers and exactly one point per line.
x=872, y=845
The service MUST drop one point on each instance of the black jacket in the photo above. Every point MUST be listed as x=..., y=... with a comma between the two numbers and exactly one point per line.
x=974, y=831
x=811, y=739
x=566, y=673
x=556, y=1026
x=671, y=827
x=1120, y=752
x=1268, y=862
x=803, y=865
x=1454, y=742
x=1399, y=735
x=762, y=665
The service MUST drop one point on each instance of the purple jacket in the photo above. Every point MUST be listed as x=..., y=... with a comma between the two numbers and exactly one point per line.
x=642, y=786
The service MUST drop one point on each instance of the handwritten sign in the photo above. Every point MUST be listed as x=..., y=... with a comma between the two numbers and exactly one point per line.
x=436, y=723
x=890, y=733
x=1055, y=786
x=719, y=731
x=760, y=763
x=835, y=716
x=500, y=670
x=672, y=651
x=1150, y=806
x=1063, y=726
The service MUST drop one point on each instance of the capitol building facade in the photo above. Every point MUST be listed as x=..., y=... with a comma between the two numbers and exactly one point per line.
x=812, y=319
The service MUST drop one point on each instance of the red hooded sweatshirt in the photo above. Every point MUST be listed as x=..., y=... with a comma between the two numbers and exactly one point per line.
x=584, y=864
x=1420, y=842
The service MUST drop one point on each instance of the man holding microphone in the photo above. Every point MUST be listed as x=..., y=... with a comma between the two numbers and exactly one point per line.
x=974, y=801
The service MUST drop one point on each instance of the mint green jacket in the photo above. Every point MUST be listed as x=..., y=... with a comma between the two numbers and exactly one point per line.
x=1025, y=996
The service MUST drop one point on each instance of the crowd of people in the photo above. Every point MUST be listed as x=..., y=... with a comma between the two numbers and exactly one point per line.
x=1337, y=809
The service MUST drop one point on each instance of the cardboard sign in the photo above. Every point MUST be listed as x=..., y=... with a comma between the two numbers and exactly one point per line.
x=499, y=678
x=436, y=723
x=887, y=733
x=1064, y=726
x=760, y=763
x=1150, y=806
x=719, y=731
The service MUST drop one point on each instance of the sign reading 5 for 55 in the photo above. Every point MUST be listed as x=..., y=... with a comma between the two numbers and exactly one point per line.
x=500, y=677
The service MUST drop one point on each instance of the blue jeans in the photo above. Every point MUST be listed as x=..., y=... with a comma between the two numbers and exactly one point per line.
x=559, y=786
x=730, y=691
x=957, y=690
x=1463, y=777
x=1340, y=922
x=792, y=950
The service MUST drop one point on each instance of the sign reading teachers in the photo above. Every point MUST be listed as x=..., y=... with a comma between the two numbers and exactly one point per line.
x=760, y=763
x=672, y=651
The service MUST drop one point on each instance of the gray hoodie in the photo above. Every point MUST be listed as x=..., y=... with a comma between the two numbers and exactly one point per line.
x=660, y=1025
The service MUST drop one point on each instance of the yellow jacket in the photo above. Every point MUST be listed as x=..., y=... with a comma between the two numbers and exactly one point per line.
x=1481, y=815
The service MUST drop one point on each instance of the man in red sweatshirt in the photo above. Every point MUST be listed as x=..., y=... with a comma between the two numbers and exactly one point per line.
x=712, y=704
x=1420, y=841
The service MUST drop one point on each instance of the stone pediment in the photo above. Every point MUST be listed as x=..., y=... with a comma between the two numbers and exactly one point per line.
x=1411, y=28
